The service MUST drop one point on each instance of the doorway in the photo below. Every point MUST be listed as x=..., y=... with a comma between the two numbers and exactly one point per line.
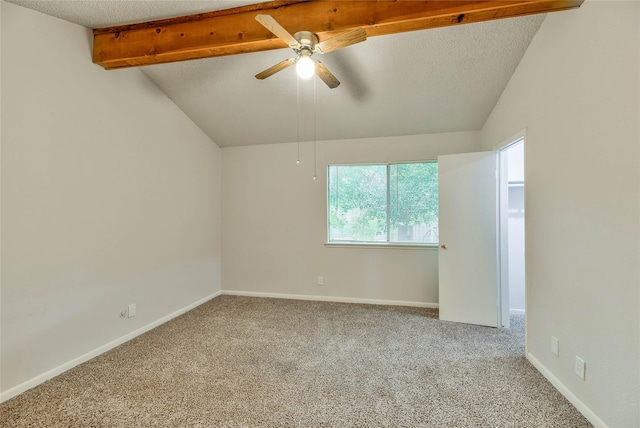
x=512, y=231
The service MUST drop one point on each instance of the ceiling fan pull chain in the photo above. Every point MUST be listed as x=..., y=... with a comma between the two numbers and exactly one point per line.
x=315, y=157
x=298, y=115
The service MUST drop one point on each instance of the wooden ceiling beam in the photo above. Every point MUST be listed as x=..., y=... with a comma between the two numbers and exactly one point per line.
x=235, y=31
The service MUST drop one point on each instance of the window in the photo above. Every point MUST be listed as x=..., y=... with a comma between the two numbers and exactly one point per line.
x=385, y=203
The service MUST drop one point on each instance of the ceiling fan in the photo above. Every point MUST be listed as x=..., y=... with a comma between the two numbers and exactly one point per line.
x=305, y=44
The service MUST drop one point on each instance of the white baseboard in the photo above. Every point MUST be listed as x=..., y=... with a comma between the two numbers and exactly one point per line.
x=582, y=408
x=330, y=299
x=19, y=389
x=516, y=311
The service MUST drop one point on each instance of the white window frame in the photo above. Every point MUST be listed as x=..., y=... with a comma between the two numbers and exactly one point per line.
x=373, y=244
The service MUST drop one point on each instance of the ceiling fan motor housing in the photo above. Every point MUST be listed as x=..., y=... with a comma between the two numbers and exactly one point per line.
x=306, y=39
x=305, y=66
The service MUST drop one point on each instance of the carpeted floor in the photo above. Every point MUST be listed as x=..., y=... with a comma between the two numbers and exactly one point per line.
x=252, y=362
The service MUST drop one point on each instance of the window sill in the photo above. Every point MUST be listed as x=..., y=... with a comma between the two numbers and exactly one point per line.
x=394, y=245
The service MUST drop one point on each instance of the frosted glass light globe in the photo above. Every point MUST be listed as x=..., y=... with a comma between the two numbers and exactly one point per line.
x=305, y=67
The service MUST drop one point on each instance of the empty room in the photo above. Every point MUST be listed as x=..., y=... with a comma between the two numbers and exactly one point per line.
x=320, y=213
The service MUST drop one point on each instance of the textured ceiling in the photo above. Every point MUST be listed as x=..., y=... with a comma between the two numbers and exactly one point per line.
x=438, y=80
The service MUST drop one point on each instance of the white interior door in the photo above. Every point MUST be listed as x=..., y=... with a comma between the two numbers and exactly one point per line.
x=468, y=254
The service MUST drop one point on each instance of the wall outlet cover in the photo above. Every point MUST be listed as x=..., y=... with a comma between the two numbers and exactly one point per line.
x=555, y=346
x=580, y=367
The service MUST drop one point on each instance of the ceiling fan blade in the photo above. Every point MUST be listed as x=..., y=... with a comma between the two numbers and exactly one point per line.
x=326, y=76
x=272, y=25
x=273, y=70
x=345, y=39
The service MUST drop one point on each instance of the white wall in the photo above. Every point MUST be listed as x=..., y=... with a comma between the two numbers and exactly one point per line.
x=275, y=222
x=515, y=224
x=110, y=196
x=576, y=91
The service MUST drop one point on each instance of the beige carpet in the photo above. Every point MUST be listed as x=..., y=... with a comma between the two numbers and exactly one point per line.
x=251, y=362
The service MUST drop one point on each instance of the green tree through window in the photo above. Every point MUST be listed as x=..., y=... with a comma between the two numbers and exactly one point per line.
x=383, y=203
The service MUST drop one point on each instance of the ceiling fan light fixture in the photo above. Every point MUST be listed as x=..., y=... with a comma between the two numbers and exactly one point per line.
x=305, y=44
x=305, y=67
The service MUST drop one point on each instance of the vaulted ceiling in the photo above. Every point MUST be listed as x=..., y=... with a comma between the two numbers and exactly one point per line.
x=416, y=82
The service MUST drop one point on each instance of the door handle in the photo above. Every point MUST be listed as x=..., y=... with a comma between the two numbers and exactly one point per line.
x=443, y=246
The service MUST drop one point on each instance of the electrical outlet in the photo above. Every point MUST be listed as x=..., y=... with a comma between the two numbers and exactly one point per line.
x=320, y=280
x=124, y=313
x=555, y=346
x=132, y=310
x=580, y=367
